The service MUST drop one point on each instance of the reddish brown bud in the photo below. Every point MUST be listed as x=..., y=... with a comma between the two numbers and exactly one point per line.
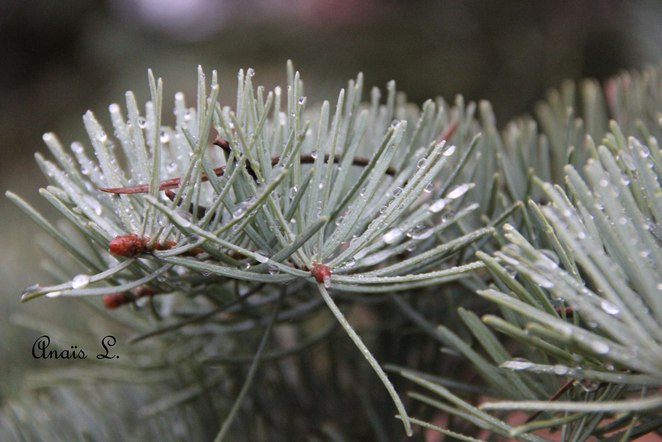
x=115, y=300
x=322, y=274
x=129, y=246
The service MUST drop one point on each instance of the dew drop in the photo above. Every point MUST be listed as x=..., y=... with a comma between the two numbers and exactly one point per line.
x=94, y=204
x=351, y=262
x=302, y=100
x=383, y=209
x=182, y=218
x=448, y=216
x=240, y=209
x=609, y=308
x=628, y=161
x=273, y=270
x=397, y=192
x=101, y=136
x=363, y=191
x=339, y=220
x=458, y=191
x=164, y=136
x=429, y=188
x=142, y=122
x=517, y=364
x=437, y=206
x=560, y=369
x=172, y=168
x=313, y=154
x=600, y=347
x=542, y=281
x=53, y=294
x=292, y=192
x=80, y=281
x=449, y=151
x=421, y=163
x=261, y=256
x=77, y=147
x=392, y=236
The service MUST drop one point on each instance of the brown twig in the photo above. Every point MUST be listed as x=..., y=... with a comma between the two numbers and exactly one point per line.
x=173, y=183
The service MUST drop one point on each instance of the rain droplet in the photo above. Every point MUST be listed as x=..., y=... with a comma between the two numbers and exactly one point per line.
x=600, y=347
x=437, y=206
x=448, y=216
x=164, y=137
x=172, y=167
x=302, y=100
x=339, y=220
x=458, y=191
x=392, y=236
x=351, y=262
x=239, y=209
x=292, y=192
x=429, y=188
x=628, y=161
x=94, y=204
x=609, y=308
x=313, y=154
x=397, y=192
x=102, y=137
x=182, y=218
x=449, y=151
x=142, y=122
x=517, y=364
x=363, y=191
x=261, y=256
x=383, y=209
x=421, y=163
x=542, y=281
x=77, y=147
x=53, y=294
x=80, y=281
x=560, y=369
x=273, y=270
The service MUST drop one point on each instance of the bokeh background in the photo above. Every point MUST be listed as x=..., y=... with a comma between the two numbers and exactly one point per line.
x=61, y=58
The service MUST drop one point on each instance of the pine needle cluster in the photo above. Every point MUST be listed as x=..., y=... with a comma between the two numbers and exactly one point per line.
x=235, y=266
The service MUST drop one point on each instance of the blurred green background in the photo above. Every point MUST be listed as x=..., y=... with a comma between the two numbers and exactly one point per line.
x=61, y=58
